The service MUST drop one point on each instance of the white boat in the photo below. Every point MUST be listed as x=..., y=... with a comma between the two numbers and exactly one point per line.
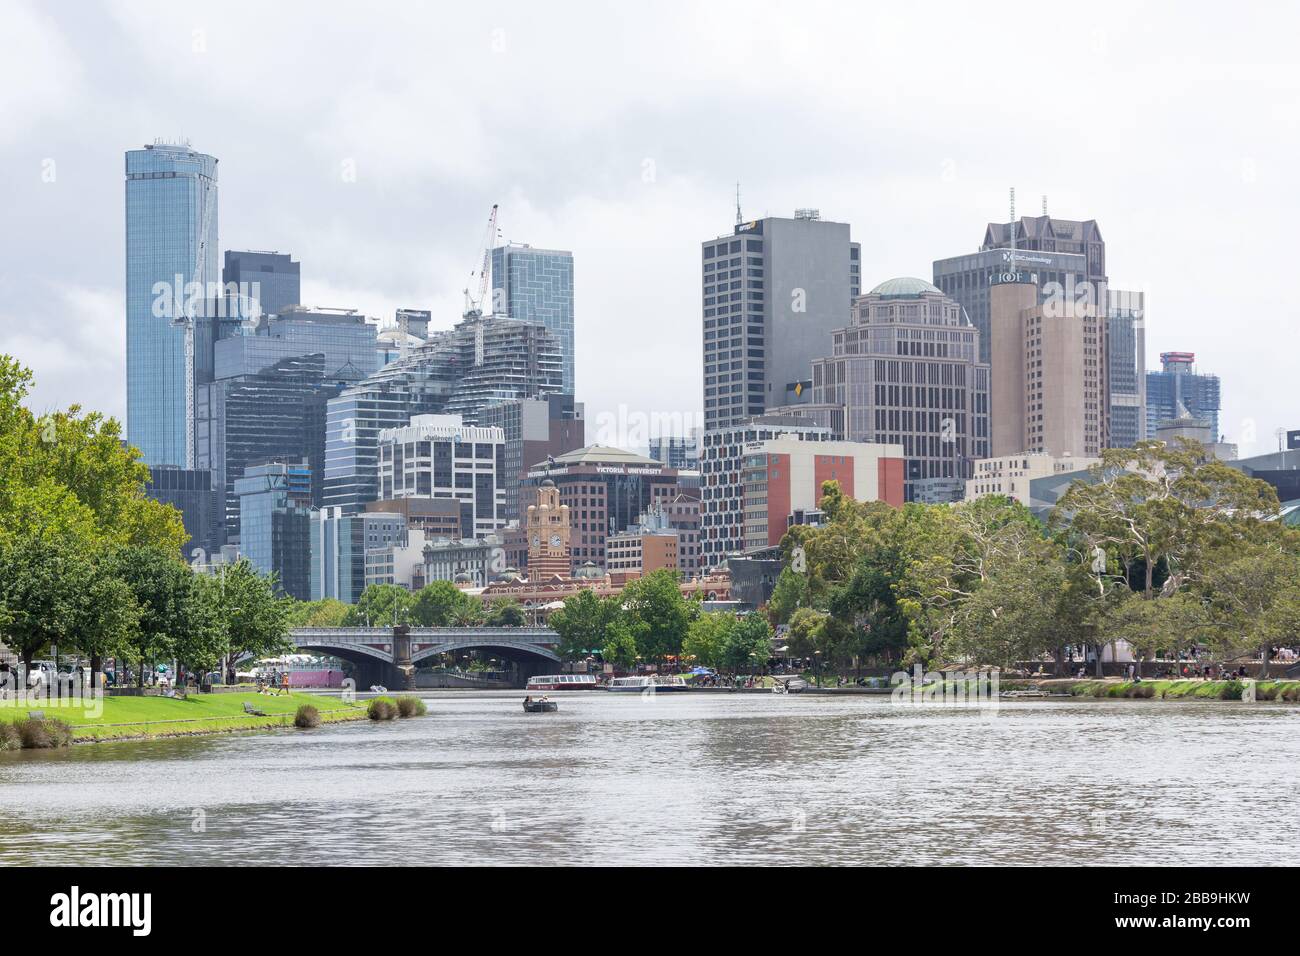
x=562, y=682
x=654, y=683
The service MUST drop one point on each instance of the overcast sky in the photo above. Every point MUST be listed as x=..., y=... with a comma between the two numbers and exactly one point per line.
x=618, y=131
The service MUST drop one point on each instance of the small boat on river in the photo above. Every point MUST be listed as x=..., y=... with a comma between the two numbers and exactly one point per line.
x=540, y=706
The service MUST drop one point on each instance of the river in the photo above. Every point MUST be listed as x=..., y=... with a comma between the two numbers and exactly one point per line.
x=682, y=778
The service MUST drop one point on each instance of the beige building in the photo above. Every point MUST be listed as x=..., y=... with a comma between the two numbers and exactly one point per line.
x=642, y=551
x=1010, y=475
x=1048, y=393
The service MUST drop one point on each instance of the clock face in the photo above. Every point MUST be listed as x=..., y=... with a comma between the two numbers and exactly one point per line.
x=537, y=541
x=555, y=541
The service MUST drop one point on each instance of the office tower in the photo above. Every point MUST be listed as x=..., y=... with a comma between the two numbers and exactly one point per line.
x=1126, y=367
x=437, y=456
x=537, y=285
x=344, y=338
x=677, y=452
x=605, y=490
x=535, y=428
x=193, y=493
x=1059, y=256
x=906, y=371
x=1048, y=391
x=272, y=414
x=682, y=514
x=275, y=522
x=1177, y=389
x=722, y=492
x=772, y=292
x=271, y=280
x=482, y=361
x=648, y=546
x=171, y=244
x=338, y=550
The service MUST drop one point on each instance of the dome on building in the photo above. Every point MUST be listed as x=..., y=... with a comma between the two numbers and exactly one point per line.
x=905, y=287
x=547, y=483
x=588, y=570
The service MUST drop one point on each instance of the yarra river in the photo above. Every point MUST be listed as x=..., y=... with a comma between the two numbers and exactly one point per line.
x=682, y=778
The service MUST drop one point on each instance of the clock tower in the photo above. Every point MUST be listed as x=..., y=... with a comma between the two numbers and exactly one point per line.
x=548, y=535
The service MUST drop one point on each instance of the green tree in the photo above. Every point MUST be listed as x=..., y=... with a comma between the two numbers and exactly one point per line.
x=42, y=582
x=505, y=612
x=707, y=638
x=582, y=623
x=107, y=616
x=256, y=618
x=382, y=605
x=440, y=604
x=164, y=590
x=621, y=644
x=747, y=644
x=327, y=612
x=655, y=603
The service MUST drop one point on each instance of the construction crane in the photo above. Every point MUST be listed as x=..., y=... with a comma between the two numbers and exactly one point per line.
x=474, y=304
x=186, y=319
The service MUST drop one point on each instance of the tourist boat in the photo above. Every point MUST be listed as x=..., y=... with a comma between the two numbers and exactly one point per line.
x=563, y=682
x=540, y=706
x=651, y=684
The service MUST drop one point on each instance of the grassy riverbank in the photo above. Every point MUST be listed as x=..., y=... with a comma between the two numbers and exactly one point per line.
x=127, y=717
x=1288, y=690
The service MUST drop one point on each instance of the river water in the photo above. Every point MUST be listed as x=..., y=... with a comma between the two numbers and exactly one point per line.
x=683, y=778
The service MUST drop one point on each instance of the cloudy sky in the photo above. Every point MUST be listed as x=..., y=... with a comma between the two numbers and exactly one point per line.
x=619, y=132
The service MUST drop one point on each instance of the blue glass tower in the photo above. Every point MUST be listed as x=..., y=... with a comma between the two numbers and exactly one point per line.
x=171, y=231
x=537, y=285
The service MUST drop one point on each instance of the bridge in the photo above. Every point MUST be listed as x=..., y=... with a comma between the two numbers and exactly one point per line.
x=388, y=655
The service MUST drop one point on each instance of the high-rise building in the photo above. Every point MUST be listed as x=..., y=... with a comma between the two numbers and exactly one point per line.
x=906, y=370
x=338, y=550
x=193, y=493
x=1011, y=475
x=437, y=456
x=171, y=243
x=1059, y=256
x=345, y=339
x=605, y=490
x=1177, y=389
x=537, y=285
x=784, y=476
x=275, y=523
x=272, y=280
x=535, y=429
x=773, y=291
x=483, y=361
x=1048, y=360
x=1126, y=367
x=676, y=451
x=722, y=492
x=272, y=414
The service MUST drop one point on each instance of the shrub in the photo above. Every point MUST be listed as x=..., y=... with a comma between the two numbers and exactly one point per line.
x=9, y=738
x=1232, y=690
x=381, y=708
x=43, y=733
x=1290, y=692
x=307, y=716
x=410, y=706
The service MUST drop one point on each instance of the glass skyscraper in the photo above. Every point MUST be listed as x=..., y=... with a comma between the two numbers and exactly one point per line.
x=275, y=523
x=171, y=230
x=1177, y=389
x=537, y=285
x=276, y=277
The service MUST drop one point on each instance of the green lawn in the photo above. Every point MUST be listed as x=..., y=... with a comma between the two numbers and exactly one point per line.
x=198, y=713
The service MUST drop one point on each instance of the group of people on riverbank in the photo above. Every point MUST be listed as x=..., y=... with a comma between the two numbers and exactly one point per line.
x=276, y=683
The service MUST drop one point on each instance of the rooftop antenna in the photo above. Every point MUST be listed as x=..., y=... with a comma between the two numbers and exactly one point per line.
x=739, y=220
x=1044, y=205
x=1013, y=227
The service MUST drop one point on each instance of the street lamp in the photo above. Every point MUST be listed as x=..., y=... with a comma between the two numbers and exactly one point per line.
x=817, y=666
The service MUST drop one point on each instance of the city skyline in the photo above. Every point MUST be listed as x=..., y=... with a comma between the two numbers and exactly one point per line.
x=382, y=216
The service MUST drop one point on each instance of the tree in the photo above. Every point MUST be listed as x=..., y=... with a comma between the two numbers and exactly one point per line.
x=1158, y=625
x=655, y=603
x=583, y=622
x=42, y=582
x=202, y=638
x=256, y=617
x=382, y=605
x=747, y=643
x=706, y=638
x=505, y=612
x=107, y=616
x=621, y=644
x=327, y=612
x=804, y=637
x=164, y=592
x=440, y=604
x=1255, y=595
